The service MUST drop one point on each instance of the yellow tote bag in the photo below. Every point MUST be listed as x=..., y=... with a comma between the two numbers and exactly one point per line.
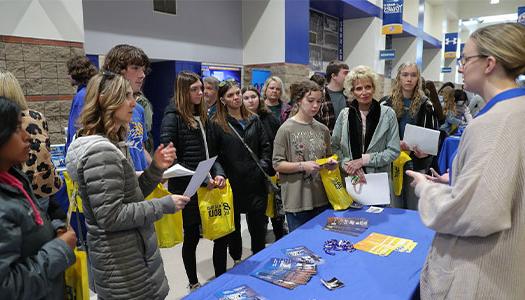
x=76, y=278
x=334, y=187
x=169, y=227
x=72, y=189
x=216, y=210
x=397, y=171
x=270, y=207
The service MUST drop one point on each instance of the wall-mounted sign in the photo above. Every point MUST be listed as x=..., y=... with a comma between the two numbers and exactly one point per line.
x=446, y=70
x=388, y=54
x=451, y=44
x=392, y=17
x=521, y=15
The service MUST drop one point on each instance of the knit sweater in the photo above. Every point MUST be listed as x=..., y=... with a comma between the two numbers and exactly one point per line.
x=479, y=219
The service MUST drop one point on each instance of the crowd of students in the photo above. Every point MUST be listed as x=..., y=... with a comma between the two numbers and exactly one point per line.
x=110, y=157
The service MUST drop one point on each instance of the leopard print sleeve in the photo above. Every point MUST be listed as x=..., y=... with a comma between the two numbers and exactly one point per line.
x=39, y=168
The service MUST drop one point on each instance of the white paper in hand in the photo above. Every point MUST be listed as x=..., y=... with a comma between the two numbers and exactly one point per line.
x=376, y=191
x=177, y=171
x=426, y=139
x=202, y=171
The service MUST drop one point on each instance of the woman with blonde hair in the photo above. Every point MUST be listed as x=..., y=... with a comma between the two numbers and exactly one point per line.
x=123, y=251
x=186, y=125
x=479, y=218
x=411, y=107
x=365, y=136
x=39, y=168
x=273, y=95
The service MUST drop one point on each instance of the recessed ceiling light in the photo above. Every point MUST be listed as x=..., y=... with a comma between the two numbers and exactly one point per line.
x=494, y=1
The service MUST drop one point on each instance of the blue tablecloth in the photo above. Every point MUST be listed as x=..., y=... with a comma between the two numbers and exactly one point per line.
x=448, y=152
x=366, y=276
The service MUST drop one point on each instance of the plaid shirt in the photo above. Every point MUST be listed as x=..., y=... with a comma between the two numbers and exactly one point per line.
x=326, y=114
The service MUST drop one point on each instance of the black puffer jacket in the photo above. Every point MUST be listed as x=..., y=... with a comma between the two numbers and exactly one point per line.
x=270, y=125
x=247, y=181
x=189, y=145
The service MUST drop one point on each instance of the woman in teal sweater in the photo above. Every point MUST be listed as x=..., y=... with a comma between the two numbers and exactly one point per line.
x=366, y=135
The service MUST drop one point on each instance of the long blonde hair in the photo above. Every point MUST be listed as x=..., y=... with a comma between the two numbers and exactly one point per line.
x=10, y=88
x=397, y=92
x=182, y=98
x=105, y=93
x=449, y=100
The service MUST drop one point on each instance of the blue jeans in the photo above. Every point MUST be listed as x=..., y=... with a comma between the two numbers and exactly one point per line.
x=297, y=219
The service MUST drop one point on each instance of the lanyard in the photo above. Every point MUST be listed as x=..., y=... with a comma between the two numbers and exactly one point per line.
x=503, y=96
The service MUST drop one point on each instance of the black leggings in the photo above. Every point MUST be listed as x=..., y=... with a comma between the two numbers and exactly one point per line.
x=256, y=226
x=189, y=247
x=278, y=227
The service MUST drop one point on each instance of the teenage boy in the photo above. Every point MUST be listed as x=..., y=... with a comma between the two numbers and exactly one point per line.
x=334, y=99
x=132, y=63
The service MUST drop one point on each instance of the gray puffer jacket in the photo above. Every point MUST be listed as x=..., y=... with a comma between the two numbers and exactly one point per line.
x=125, y=259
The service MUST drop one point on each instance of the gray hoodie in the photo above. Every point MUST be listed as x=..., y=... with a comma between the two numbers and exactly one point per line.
x=125, y=259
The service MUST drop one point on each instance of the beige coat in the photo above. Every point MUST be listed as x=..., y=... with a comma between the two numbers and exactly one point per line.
x=480, y=221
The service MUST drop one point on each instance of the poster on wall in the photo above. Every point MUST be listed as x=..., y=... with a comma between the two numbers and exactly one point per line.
x=222, y=72
x=259, y=77
x=451, y=44
x=521, y=15
x=392, y=17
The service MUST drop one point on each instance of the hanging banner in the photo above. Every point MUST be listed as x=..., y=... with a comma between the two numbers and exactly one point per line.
x=521, y=15
x=451, y=44
x=392, y=17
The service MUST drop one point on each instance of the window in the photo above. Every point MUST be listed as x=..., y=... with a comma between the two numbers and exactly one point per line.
x=165, y=6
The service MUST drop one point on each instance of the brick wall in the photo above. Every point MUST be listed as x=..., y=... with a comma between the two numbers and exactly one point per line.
x=40, y=67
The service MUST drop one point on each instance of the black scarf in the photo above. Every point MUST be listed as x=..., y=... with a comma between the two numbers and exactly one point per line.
x=355, y=127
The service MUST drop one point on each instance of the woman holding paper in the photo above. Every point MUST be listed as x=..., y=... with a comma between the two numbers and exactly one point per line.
x=365, y=136
x=122, y=244
x=479, y=219
x=411, y=107
x=186, y=125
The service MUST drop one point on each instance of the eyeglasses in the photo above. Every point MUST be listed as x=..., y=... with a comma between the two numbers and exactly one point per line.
x=105, y=75
x=463, y=60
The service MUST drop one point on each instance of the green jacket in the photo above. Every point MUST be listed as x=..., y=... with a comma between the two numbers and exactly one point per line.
x=383, y=148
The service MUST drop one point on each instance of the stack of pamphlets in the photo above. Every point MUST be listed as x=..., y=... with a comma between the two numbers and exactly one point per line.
x=383, y=245
x=286, y=272
x=242, y=292
x=350, y=226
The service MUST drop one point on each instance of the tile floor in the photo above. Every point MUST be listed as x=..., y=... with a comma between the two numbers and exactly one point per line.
x=174, y=267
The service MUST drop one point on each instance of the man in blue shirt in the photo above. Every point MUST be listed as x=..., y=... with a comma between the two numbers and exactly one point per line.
x=137, y=137
x=132, y=63
x=80, y=70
